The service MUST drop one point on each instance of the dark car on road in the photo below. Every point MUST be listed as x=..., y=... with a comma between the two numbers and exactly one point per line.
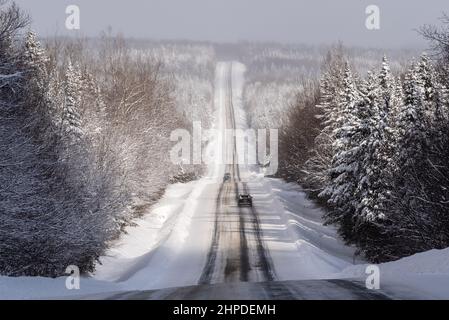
x=245, y=200
x=227, y=177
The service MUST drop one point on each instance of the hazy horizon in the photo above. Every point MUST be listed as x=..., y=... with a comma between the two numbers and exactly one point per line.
x=286, y=21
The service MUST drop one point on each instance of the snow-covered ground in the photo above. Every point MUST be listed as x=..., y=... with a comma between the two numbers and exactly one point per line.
x=424, y=275
x=168, y=247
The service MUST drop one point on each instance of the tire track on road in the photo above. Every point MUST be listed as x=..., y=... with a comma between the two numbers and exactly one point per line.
x=208, y=270
x=264, y=262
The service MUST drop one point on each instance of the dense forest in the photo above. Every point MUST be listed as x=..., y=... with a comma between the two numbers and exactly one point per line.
x=373, y=150
x=84, y=142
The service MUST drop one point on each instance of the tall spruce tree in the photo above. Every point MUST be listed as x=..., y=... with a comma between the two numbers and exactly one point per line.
x=344, y=165
x=330, y=85
x=374, y=188
x=73, y=90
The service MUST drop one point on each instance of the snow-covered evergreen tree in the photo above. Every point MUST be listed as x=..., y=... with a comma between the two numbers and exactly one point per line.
x=410, y=120
x=34, y=59
x=331, y=84
x=371, y=117
x=71, y=115
x=432, y=93
x=373, y=192
x=37, y=98
x=378, y=154
x=92, y=100
x=34, y=55
x=421, y=142
x=55, y=96
x=344, y=166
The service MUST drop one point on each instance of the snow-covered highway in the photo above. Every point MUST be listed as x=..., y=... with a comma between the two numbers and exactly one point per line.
x=207, y=240
x=237, y=251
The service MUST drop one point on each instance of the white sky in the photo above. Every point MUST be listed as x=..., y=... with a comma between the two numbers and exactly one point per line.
x=293, y=21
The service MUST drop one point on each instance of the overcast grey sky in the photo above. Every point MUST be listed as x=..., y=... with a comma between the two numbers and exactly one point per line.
x=292, y=21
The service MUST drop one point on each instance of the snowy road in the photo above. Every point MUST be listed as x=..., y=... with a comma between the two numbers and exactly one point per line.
x=208, y=246
x=237, y=251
